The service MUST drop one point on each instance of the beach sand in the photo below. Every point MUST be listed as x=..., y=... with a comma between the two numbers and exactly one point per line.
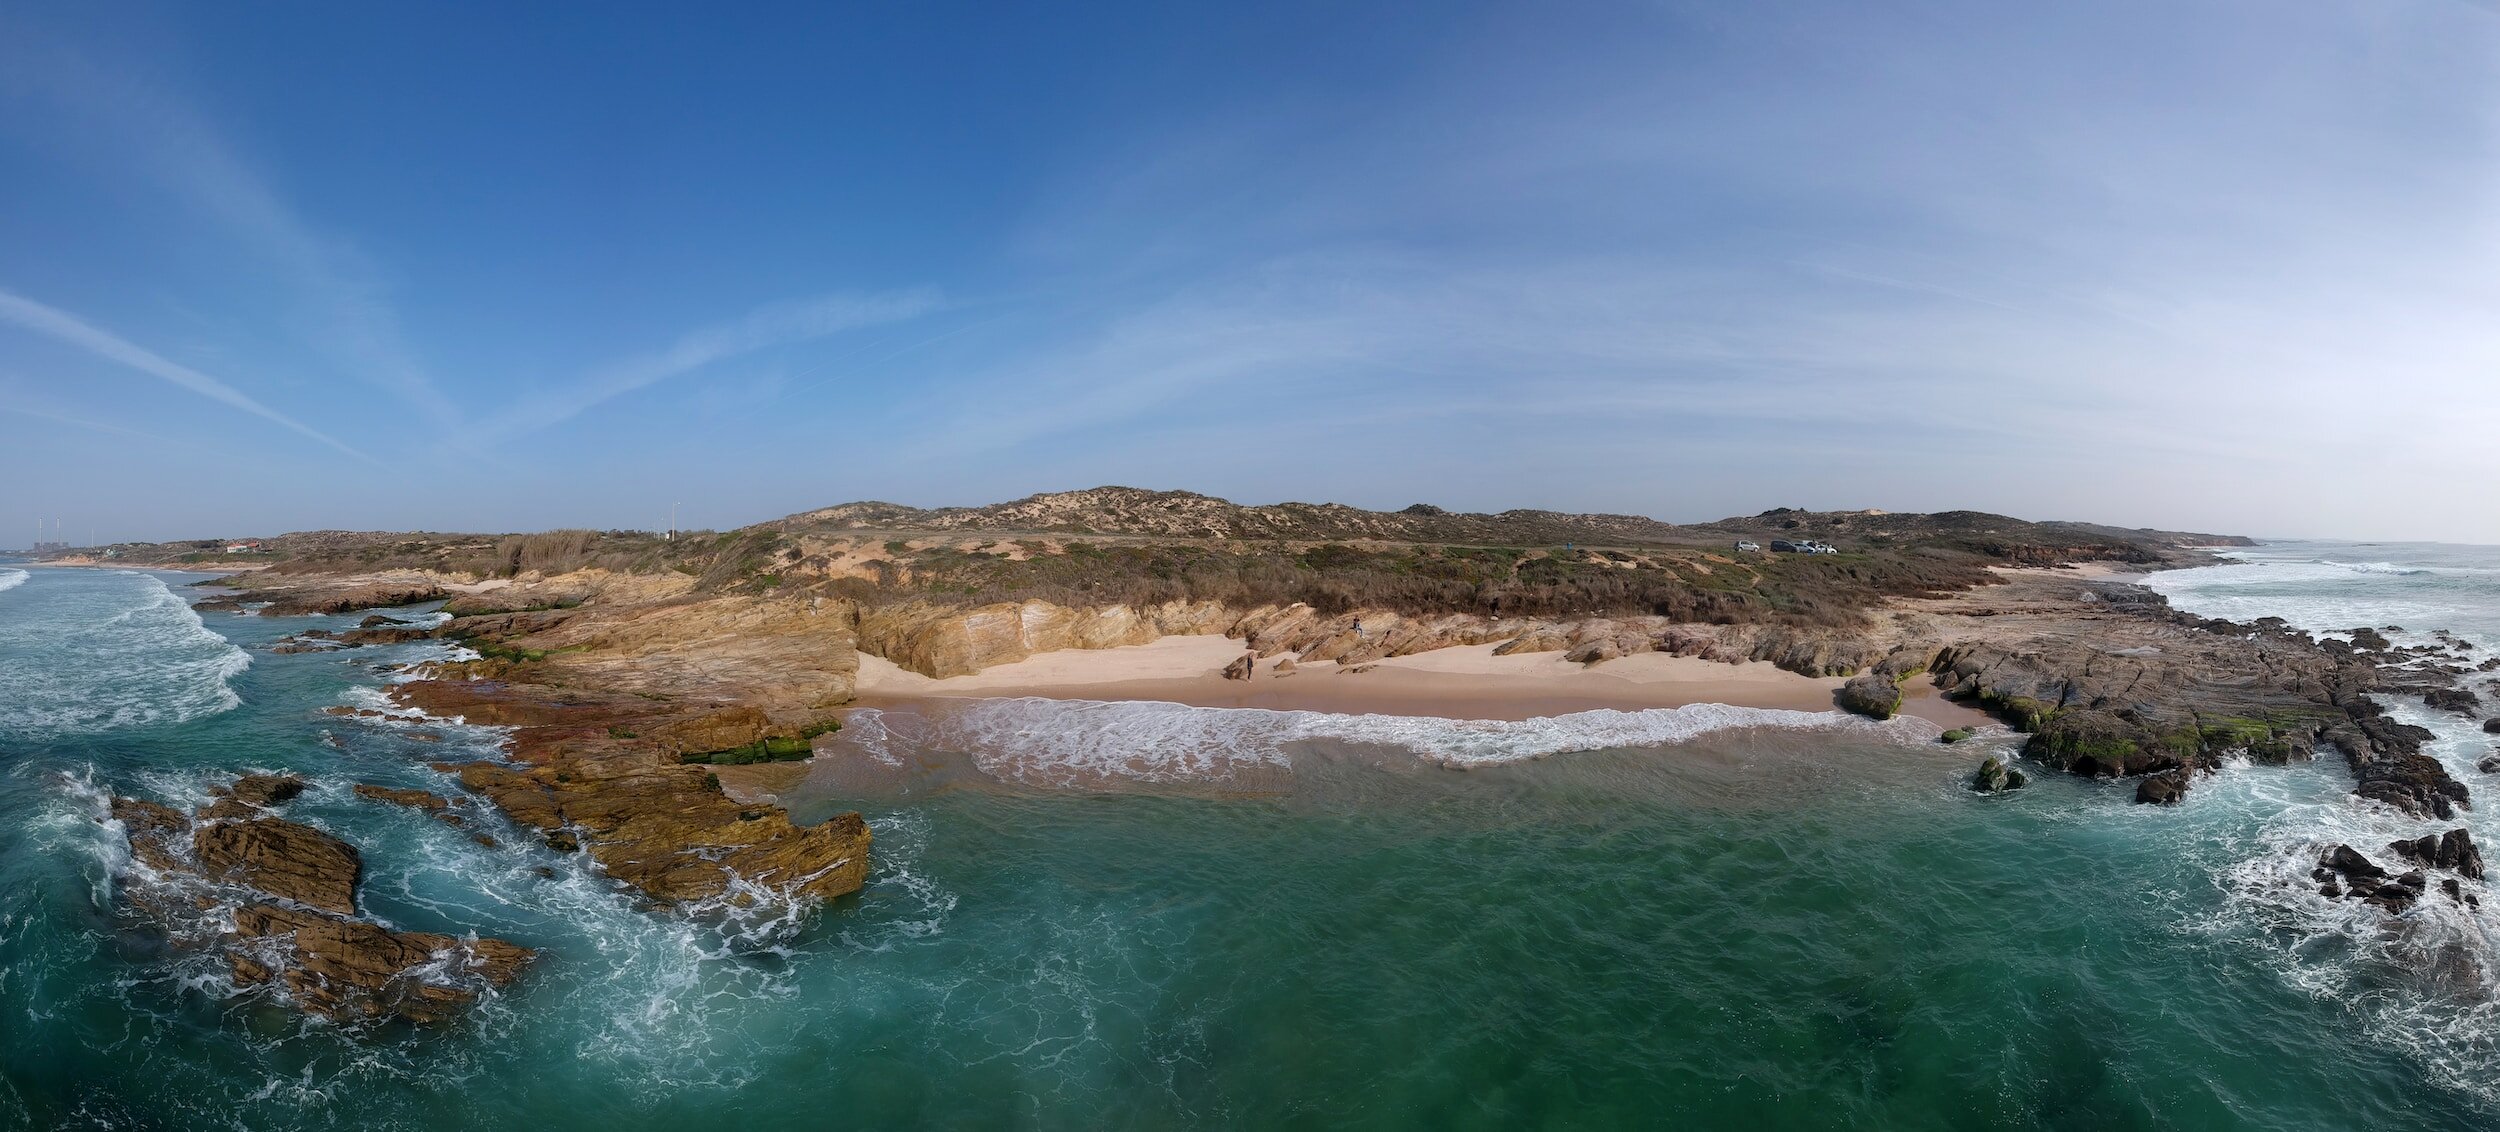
x=1466, y=682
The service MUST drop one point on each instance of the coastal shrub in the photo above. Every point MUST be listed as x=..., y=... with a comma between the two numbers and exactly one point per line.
x=1429, y=580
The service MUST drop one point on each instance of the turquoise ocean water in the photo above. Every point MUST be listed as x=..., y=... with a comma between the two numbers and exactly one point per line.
x=1091, y=916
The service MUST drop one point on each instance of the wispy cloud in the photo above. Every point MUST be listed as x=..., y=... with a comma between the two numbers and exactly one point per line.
x=343, y=309
x=66, y=327
x=779, y=324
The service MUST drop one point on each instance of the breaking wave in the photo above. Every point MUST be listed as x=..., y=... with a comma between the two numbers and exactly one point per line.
x=2377, y=568
x=11, y=579
x=2426, y=982
x=1063, y=743
x=128, y=656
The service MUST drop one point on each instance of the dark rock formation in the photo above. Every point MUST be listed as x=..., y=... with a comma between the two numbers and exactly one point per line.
x=251, y=794
x=1997, y=776
x=2453, y=699
x=2165, y=789
x=2491, y=727
x=2454, y=851
x=1873, y=694
x=2191, y=691
x=1240, y=668
x=2363, y=880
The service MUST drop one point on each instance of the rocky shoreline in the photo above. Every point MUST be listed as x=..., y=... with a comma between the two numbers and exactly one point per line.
x=277, y=900
x=619, y=689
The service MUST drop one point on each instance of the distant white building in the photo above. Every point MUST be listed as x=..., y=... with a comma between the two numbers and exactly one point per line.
x=242, y=547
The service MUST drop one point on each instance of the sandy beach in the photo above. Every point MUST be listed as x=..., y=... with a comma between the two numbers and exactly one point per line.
x=1453, y=683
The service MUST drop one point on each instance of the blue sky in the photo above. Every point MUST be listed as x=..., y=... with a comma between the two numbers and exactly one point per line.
x=2226, y=266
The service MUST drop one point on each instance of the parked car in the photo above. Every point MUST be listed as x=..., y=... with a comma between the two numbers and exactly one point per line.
x=1747, y=548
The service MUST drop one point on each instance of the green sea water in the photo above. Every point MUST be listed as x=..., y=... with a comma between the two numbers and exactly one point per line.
x=1306, y=924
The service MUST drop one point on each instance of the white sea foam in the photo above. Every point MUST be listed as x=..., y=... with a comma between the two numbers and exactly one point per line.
x=1047, y=742
x=2376, y=568
x=11, y=579
x=122, y=655
x=2426, y=982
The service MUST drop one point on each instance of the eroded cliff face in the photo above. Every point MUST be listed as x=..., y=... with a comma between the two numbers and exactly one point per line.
x=936, y=640
x=942, y=641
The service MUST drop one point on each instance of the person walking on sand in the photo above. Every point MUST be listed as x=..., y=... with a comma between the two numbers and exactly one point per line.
x=1358, y=628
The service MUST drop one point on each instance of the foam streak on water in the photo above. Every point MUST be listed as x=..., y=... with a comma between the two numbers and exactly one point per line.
x=1049, y=742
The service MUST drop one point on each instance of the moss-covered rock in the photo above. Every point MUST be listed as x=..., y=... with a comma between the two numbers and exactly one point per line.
x=1872, y=694
x=1997, y=776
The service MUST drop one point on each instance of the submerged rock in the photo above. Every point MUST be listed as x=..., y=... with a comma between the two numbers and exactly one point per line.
x=2168, y=788
x=351, y=969
x=2363, y=880
x=295, y=928
x=1996, y=776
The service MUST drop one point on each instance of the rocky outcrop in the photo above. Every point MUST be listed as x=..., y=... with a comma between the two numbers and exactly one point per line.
x=282, y=858
x=670, y=833
x=1873, y=694
x=293, y=923
x=2138, y=689
x=2343, y=872
x=322, y=599
x=598, y=772
x=355, y=970
x=1242, y=667
x=1996, y=776
x=2168, y=788
x=2457, y=700
x=2454, y=851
